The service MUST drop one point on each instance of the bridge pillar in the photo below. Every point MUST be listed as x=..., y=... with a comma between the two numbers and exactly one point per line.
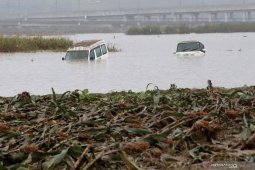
x=249, y=15
x=226, y=17
x=130, y=18
x=191, y=18
x=231, y=16
x=212, y=17
x=147, y=18
x=178, y=17
x=174, y=17
x=85, y=18
x=195, y=15
x=164, y=17
x=124, y=18
x=244, y=16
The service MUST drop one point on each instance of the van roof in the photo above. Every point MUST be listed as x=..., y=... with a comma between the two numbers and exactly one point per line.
x=189, y=41
x=86, y=43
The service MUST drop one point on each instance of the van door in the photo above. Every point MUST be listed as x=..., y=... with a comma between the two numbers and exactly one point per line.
x=104, y=49
x=92, y=54
x=98, y=51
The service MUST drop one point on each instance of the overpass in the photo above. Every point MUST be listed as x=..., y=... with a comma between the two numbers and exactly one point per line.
x=216, y=13
x=225, y=13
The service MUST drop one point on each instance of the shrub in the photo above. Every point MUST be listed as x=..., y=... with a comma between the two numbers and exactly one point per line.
x=147, y=30
x=28, y=44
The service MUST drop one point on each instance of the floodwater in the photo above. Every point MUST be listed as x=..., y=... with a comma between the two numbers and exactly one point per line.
x=229, y=62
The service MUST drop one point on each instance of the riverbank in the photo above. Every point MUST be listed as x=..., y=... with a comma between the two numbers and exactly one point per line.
x=138, y=28
x=157, y=129
x=186, y=28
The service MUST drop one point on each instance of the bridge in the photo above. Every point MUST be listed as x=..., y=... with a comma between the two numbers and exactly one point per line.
x=217, y=13
x=225, y=13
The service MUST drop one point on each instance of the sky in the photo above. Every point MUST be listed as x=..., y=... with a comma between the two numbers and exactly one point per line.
x=44, y=6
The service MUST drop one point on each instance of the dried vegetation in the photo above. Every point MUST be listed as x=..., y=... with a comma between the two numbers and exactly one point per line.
x=31, y=44
x=156, y=129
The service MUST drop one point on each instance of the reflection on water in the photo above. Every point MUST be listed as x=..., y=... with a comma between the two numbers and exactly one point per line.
x=143, y=60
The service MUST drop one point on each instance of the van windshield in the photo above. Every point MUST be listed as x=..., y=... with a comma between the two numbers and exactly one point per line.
x=190, y=46
x=72, y=55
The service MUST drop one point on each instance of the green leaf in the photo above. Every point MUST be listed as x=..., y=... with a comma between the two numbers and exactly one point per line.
x=138, y=131
x=57, y=159
x=20, y=167
x=75, y=151
x=251, y=159
x=245, y=121
x=9, y=134
x=65, y=93
x=246, y=129
x=130, y=164
x=194, y=153
x=54, y=98
x=155, y=87
x=54, y=129
x=141, y=95
x=245, y=133
x=157, y=98
x=18, y=156
x=154, y=138
x=84, y=94
x=252, y=127
x=37, y=156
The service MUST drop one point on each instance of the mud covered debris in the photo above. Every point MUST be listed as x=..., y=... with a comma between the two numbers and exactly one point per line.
x=155, y=129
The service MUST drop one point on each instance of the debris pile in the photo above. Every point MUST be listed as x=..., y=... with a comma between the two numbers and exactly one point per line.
x=155, y=129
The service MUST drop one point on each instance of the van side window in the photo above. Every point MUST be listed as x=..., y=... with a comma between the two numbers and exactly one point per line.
x=92, y=55
x=98, y=51
x=201, y=46
x=104, y=49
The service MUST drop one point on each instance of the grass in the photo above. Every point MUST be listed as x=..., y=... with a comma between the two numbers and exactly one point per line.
x=212, y=28
x=147, y=30
x=184, y=29
x=31, y=44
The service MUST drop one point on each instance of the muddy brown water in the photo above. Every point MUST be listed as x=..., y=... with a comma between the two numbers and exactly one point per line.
x=229, y=62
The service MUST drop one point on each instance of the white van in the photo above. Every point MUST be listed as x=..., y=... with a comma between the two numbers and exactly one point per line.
x=88, y=50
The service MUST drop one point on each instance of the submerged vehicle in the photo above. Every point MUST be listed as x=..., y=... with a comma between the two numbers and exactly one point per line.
x=190, y=48
x=87, y=50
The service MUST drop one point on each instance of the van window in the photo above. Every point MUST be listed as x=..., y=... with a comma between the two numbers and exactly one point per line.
x=202, y=46
x=98, y=51
x=92, y=55
x=76, y=55
x=104, y=49
x=189, y=46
